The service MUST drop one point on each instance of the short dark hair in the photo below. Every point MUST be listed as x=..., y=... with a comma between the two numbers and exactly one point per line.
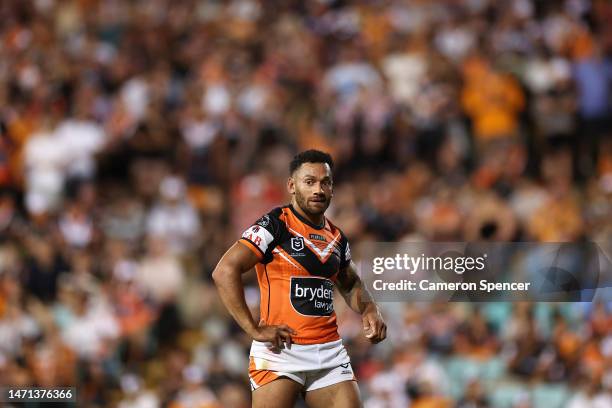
x=310, y=156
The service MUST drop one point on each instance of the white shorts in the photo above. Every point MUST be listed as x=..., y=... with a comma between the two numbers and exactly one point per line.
x=300, y=357
x=310, y=380
x=312, y=365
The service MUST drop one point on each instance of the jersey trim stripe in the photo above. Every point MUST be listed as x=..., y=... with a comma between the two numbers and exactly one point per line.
x=324, y=254
x=269, y=293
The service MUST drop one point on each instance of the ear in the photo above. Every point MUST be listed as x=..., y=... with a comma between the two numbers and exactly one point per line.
x=291, y=185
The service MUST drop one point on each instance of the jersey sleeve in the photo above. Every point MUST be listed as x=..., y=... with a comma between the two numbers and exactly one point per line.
x=262, y=235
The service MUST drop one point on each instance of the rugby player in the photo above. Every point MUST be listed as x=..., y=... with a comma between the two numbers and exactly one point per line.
x=299, y=256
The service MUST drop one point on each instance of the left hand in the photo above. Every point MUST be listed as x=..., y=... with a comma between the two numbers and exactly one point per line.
x=374, y=326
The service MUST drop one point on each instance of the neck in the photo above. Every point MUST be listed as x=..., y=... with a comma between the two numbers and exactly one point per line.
x=315, y=219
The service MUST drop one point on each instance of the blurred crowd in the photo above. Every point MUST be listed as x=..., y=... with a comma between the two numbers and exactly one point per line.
x=139, y=138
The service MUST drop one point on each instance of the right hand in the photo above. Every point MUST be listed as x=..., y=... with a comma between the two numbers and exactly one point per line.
x=274, y=336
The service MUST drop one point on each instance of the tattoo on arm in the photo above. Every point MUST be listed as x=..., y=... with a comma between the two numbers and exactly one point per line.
x=352, y=289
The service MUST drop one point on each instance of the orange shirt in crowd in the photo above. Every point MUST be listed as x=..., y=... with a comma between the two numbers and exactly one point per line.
x=493, y=100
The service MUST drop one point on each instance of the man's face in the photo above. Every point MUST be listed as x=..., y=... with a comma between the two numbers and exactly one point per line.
x=311, y=184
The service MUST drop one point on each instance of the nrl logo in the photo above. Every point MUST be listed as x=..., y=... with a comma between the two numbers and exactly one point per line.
x=297, y=243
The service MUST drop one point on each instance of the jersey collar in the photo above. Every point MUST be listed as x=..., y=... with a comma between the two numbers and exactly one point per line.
x=305, y=221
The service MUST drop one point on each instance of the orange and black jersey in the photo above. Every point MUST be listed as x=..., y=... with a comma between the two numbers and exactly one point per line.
x=299, y=263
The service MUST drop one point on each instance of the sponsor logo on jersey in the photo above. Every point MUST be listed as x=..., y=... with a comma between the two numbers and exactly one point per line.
x=253, y=235
x=317, y=237
x=312, y=296
x=258, y=236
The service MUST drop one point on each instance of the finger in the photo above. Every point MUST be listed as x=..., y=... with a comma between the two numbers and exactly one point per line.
x=272, y=346
x=366, y=324
x=380, y=335
x=283, y=332
x=281, y=341
x=379, y=328
x=285, y=327
x=276, y=341
x=374, y=321
x=374, y=328
x=370, y=332
x=285, y=337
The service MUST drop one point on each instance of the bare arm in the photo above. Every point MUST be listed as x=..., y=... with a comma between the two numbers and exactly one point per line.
x=228, y=279
x=358, y=298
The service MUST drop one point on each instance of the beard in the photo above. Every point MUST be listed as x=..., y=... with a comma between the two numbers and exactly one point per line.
x=304, y=205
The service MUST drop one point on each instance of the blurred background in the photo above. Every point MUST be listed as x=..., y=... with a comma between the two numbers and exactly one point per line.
x=139, y=138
